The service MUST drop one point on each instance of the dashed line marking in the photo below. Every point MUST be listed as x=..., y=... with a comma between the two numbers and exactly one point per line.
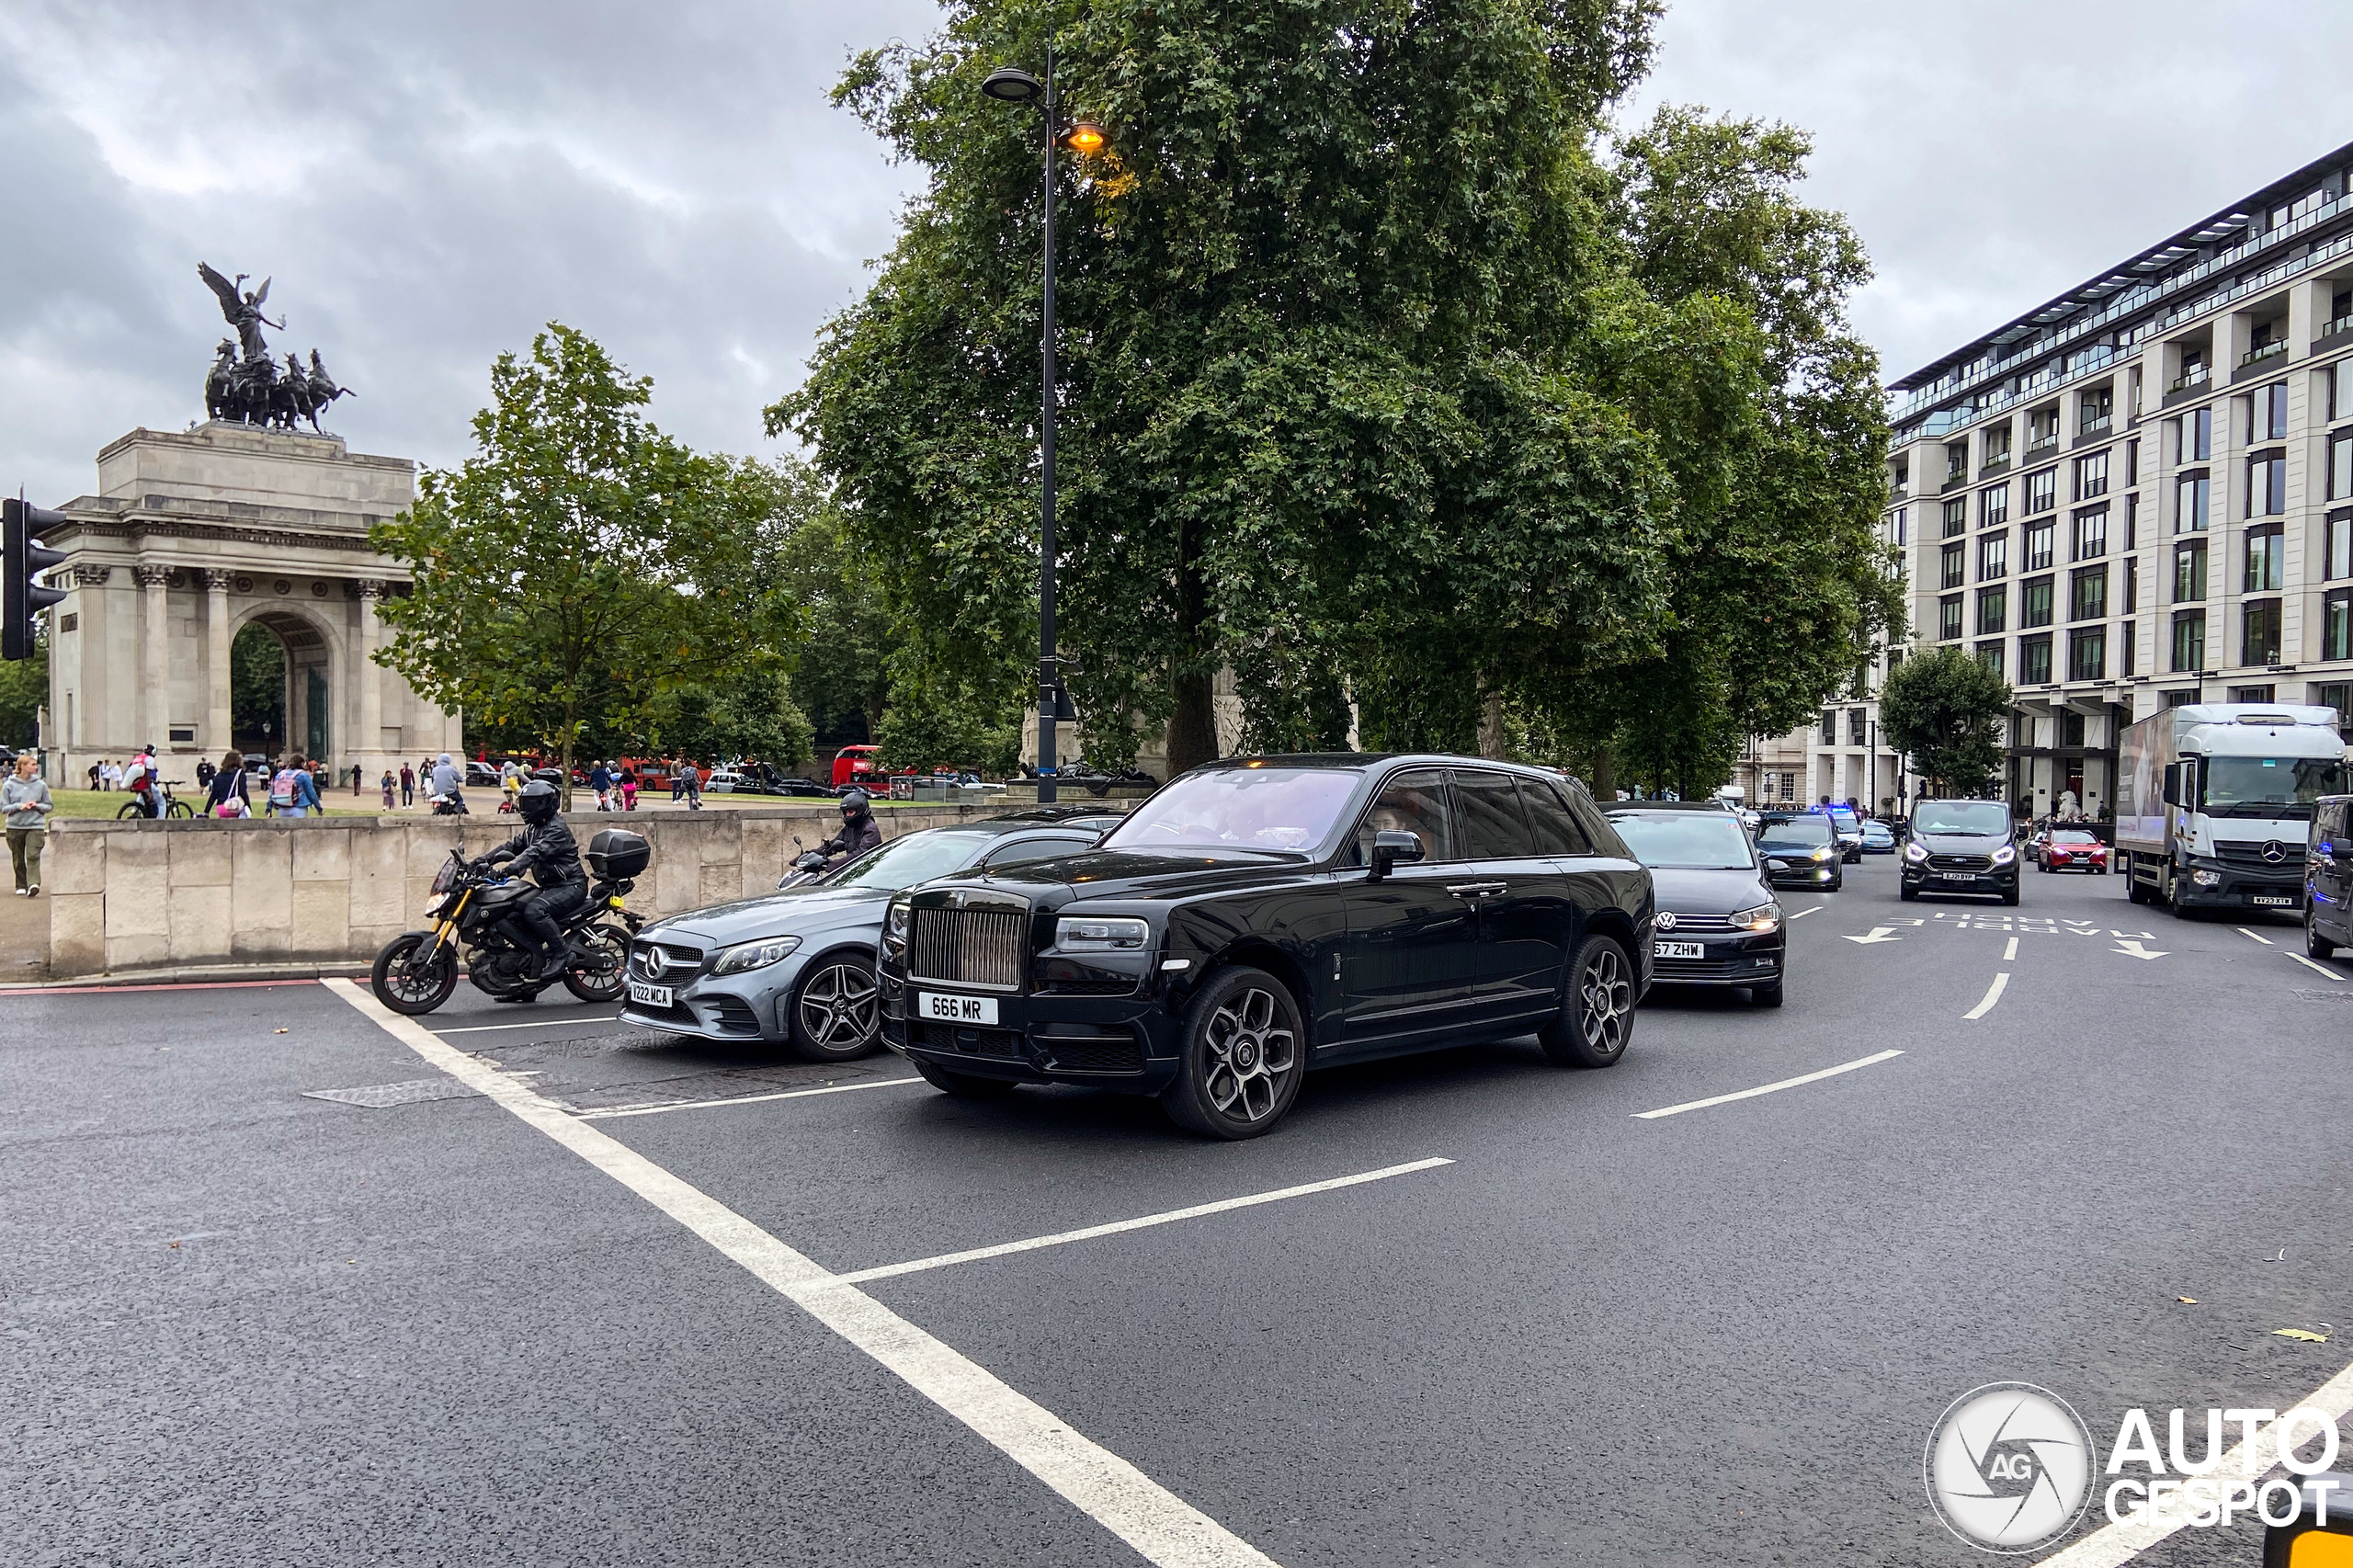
x=2317, y=968
x=1993, y=994
x=2010, y=953
x=1766, y=1088
x=2245, y=932
x=1811, y=909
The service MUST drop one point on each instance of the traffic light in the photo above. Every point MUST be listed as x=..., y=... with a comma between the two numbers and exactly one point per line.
x=22, y=560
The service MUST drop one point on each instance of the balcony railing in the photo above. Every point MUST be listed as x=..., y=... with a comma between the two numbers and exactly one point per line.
x=2043, y=444
x=2341, y=323
x=1999, y=463
x=2196, y=376
x=2094, y=426
x=2269, y=351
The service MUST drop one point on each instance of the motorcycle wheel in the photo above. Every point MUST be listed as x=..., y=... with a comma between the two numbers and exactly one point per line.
x=608, y=976
x=408, y=985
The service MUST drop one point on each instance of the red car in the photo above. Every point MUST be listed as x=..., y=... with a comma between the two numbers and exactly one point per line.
x=2072, y=849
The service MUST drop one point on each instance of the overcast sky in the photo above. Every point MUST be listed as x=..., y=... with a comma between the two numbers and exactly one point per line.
x=428, y=183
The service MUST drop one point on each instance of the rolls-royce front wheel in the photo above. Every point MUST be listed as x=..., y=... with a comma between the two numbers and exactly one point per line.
x=1245, y=1051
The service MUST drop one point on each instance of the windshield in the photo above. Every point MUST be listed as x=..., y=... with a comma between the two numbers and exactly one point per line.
x=1844, y=818
x=1240, y=808
x=1685, y=841
x=2273, y=787
x=1794, y=833
x=918, y=858
x=1962, y=819
x=2074, y=836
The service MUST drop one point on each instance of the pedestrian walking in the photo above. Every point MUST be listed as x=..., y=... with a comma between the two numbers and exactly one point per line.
x=24, y=796
x=227, y=796
x=294, y=792
x=677, y=782
x=408, y=785
x=388, y=788
x=97, y=771
x=693, y=776
x=204, y=771
x=600, y=778
x=628, y=789
x=110, y=776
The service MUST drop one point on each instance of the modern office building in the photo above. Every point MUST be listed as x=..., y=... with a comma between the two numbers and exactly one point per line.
x=2141, y=492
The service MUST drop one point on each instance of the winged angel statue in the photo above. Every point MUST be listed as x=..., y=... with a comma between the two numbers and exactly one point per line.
x=252, y=389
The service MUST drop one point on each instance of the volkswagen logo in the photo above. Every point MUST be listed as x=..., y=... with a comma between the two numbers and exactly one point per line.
x=1667, y=920
x=2274, y=852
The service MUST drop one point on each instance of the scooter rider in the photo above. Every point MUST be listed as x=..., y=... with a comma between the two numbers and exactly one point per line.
x=859, y=831
x=545, y=848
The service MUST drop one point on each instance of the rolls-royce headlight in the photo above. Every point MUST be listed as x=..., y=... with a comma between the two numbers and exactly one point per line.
x=1099, y=934
x=754, y=955
x=1764, y=917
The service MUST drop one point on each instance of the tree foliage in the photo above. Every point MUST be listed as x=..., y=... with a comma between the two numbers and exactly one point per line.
x=1946, y=709
x=24, y=691
x=1376, y=381
x=583, y=567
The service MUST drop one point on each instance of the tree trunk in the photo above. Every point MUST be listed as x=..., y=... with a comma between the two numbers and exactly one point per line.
x=563, y=766
x=1192, y=727
x=1491, y=728
x=1605, y=775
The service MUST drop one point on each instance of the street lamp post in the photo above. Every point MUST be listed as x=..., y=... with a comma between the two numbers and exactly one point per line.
x=1007, y=84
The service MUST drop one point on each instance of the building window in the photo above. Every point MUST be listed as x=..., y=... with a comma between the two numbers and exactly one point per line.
x=2070, y=728
x=2189, y=572
x=1949, y=616
x=2193, y=436
x=2041, y=491
x=2041, y=430
x=2088, y=656
x=1993, y=557
x=2039, y=540
x=1989, y=655
x=2190, y=494
x=2127, y=642
x=2092, y=412
x=2265, y=693
x=1789, y=786
x=2091, y=476
x=1956, y=564
x=1955, y=516
x=2336, y=624
x=2034, y=602
x=2189, y=640
x=1855, y=721
x=2133, y=522
x=2259, y=632
x=2340, y=466
x=1898, y=525
x=1997, y=447
x=2268, y=420
x=2338, y=552
x=2339, y=696
x=2087, y=595
x=1994, y=506
x=2266, y=484
x=2091, y=534
x=2267, y=556
x=1956, y=459
x=1830, y=726
x=2034, y=661
x=2340, y=379
x=2132, y=584
x=1992, y=604
x=2132, y=461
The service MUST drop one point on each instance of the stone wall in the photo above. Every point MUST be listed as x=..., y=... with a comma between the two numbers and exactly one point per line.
x=141, y=896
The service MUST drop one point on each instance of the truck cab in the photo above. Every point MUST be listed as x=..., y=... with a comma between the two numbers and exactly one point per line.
x=2218, y=802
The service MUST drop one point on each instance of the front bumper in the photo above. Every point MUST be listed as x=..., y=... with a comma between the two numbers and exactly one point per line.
x=753, y=1006
x=1749, y=958
x=1929, y=878
x=1820, y=874
x=1130, y=1042
x=2240, y=889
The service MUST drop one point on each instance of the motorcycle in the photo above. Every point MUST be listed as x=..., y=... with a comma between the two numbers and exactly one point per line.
x=473, y=908
x=808, y=869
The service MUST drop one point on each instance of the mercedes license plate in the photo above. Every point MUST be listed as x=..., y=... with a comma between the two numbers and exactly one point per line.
x=649, y=995
x=1678, y=951
x=947, y=1009
x=2265, y=898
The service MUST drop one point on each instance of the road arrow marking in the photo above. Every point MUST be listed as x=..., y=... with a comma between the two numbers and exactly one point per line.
x=2144, y=936
x=2134, y=950
x=1879, y=934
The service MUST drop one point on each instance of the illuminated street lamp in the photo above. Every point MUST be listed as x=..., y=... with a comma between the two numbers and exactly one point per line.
x=1009, y=84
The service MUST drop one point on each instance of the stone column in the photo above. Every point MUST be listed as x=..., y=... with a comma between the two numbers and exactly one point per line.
x=154, y=663
x=216, y=675
x=370, y=739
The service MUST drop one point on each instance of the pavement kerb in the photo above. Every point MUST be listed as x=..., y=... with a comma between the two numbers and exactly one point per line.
x=194, y=974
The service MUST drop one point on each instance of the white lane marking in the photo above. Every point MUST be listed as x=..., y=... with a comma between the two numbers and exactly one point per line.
x=534, y=1024
x=889, y=1270
x=1766, y=1088
x=1160, y=1525
x=1879, y=934
x=1993, y=994
x=2010, y=953
x=738, y=1099
x=2113, y=1544
x=2245, y=932
x=1811, y=909
x=2316, y=969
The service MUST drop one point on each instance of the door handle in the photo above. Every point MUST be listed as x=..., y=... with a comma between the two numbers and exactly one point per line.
x=1477, y=890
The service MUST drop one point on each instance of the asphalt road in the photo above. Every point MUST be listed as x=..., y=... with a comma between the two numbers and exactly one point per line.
x=239, y=1323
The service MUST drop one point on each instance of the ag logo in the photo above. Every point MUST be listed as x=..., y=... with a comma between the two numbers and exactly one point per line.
x=2009, y=1467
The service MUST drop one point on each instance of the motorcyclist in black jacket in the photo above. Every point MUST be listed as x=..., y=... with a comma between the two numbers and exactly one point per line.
x=545, y=848
x=859, y=831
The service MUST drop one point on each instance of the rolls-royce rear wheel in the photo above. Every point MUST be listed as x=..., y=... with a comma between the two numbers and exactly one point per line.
x=1244, y=1053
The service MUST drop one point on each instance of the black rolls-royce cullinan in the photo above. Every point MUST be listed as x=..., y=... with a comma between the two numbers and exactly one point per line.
x=1261, y=916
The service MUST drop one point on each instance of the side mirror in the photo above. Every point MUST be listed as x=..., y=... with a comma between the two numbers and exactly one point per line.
x=2173, y=784
x=1389, y=848
x=2340, y=848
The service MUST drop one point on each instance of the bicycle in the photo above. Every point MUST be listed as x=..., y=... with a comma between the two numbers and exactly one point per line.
x=173, y=808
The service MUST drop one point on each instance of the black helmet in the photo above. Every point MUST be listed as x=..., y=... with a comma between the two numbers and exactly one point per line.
x=853, y=803
x=537, y=801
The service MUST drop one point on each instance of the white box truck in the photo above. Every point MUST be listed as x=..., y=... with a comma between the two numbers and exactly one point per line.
x=2215, y=802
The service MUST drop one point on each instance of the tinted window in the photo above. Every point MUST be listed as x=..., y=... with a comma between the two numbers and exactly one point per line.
x=1487, y=810
x=1242, y=808
x=1412, y=803
x=1016, y=849
x=1556, y=830
x=918, y=858
x=1980, y=819
x=1707, y=841
x=2073, y=836
x=1794, y=833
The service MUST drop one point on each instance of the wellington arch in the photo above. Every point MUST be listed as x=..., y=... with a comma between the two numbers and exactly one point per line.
x=197, y=539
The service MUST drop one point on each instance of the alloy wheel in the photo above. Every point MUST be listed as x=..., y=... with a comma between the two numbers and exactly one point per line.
x=837, y=1008
x=1606, y=990
x=1251, y=1054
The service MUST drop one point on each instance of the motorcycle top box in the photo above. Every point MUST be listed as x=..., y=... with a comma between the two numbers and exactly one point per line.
x=618, y=854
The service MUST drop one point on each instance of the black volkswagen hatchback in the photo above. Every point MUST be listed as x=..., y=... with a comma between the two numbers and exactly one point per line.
x=1717, y=924
x=1261, y=916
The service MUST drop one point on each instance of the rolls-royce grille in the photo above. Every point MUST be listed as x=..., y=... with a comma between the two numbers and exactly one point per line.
x=967, y=946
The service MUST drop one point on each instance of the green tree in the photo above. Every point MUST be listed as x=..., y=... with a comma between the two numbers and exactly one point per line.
x=23, y=689
x=841, y=675
x=583, y=567
x=1946, y=709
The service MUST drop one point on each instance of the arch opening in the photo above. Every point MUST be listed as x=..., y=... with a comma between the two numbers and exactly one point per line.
x=278, y=692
